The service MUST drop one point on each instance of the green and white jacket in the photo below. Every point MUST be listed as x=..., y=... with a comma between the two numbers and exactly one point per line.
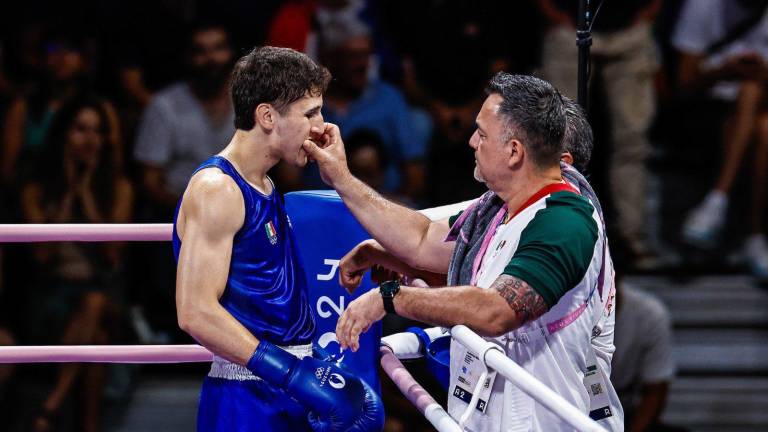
x=556, y=243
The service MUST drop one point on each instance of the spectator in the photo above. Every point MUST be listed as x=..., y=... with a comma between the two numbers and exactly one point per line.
x=29, y=116
x=23, y=54
x=624, y=53
x=724, y=53
x=642, y=365
x=450, y=161
x=354, y=101
x=79, y=183
x=186, y=122
x=297, y=22
x=368, y=161
x=367, y=157
x=182, y=126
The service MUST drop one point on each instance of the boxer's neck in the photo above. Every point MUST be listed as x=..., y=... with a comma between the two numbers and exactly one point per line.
x=253, y=156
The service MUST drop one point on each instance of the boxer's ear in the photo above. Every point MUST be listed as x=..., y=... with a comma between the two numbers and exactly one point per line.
x=264, y=116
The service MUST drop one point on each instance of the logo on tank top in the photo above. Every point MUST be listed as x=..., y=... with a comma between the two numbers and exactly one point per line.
x=269, y=227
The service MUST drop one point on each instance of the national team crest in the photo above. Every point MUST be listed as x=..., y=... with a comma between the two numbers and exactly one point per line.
x=269, y=227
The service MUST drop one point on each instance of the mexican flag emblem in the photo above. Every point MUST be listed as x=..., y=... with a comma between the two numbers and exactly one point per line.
x=269, y=227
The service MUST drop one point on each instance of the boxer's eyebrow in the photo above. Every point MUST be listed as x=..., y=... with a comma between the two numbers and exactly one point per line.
x=312, y=111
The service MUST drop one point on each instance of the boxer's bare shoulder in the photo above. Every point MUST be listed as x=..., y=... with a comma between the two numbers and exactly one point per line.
x=212, y=198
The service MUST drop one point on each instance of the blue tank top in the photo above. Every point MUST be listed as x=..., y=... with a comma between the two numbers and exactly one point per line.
x=266, y=288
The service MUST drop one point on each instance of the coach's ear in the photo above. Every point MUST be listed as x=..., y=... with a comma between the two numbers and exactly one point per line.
x=265, y=116
x=515, y=152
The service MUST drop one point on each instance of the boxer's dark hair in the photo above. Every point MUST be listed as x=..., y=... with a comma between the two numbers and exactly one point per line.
x=534, y=112
x=277, y=76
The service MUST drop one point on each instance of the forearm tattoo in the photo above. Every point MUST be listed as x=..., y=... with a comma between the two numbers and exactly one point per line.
x=523, y=299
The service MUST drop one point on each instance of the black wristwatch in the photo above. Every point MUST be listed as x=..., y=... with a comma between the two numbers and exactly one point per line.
x=388, y=291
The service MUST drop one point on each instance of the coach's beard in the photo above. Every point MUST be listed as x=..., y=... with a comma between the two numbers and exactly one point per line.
x=478, y=176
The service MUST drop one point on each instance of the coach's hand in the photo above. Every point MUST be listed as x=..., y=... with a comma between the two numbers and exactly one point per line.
x=327, y=149
x=363, y=257
x=336, y=399
x=358, y=318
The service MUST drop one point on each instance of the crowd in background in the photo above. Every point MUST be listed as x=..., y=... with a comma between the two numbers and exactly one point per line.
x=106, y=108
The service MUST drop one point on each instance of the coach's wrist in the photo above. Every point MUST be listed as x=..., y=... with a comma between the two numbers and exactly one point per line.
x=343, y=180
x=389, y=291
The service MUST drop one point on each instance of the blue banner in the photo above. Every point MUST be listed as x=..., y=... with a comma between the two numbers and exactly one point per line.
x=325, y=231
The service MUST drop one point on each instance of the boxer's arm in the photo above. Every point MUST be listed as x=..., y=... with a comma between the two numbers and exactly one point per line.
x=213, y=212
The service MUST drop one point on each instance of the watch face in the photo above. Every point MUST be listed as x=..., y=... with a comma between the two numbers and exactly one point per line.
x=389, y=288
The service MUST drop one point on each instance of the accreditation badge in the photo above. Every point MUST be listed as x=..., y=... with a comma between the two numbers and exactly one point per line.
x=599, y=404
x=471, y=369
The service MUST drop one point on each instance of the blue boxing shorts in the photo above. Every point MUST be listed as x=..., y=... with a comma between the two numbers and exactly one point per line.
x=233, y=399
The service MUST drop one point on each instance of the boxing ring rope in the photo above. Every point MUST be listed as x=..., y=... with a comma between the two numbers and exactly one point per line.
x=413, y=391
x=34, y=233
x=105, y=354
x=416, y=394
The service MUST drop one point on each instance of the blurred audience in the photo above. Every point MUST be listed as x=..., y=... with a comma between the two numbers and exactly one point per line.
x=367, y=159
x=408, y=82
x=65, y=74
x=642, y=365
x=451, y=161
x=623, y=54
x=22, y=57
x=354, y=101
x=183, y=125
x=449, y=51
x=723, y=64
x=451, y=48
x=187, y=122
x=9, y=385
x=297, y=23
x=9, y=404
x=78, y=283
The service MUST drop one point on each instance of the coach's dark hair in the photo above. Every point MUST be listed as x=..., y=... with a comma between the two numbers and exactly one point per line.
x=534, y=112
x=578, y=137
x=277, y=76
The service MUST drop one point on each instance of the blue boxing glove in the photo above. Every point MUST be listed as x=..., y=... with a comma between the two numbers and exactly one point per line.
x=336, y=399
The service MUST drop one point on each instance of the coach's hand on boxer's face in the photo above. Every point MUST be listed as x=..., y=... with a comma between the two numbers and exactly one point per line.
x=326, y=148
x=358, y=318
